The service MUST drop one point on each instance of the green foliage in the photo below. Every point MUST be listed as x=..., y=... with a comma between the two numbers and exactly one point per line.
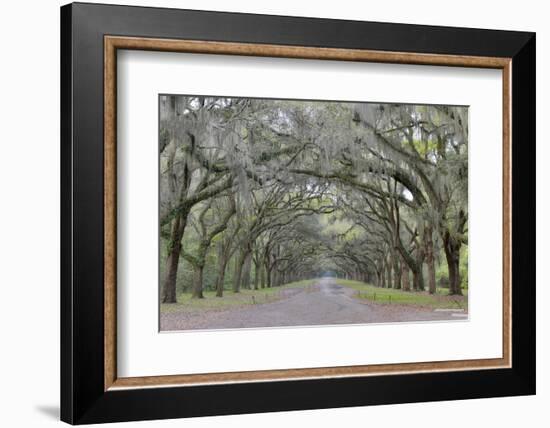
x=424, y=147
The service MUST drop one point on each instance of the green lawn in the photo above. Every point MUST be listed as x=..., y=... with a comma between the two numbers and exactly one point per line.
x=439, y=300
x=231, y=299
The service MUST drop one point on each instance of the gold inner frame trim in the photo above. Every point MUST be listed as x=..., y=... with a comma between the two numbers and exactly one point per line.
x=113, y=43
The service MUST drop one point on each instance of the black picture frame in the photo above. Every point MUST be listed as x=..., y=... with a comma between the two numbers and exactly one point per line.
x=83, y=398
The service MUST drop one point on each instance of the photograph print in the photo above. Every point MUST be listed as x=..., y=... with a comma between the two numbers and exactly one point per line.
x=281, y=213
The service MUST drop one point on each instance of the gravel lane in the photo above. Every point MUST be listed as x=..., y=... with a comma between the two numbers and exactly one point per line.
x=325, y=304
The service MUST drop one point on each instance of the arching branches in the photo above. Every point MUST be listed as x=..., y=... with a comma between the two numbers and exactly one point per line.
x=274, y=191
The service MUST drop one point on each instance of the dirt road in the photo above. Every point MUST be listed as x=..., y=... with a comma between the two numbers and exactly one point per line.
x=327, y=303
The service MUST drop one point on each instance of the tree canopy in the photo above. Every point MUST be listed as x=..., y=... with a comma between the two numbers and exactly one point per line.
x=282, y=190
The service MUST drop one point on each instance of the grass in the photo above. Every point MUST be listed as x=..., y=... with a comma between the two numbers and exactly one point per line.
x=231, y=299
x=440, y=300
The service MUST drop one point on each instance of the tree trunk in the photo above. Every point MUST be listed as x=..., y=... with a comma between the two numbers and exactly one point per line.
x=418, y=271
x=268, y=278
x=172, y=261
x=262, y=275
x=220, y=274
x=429, y=254
x=388, y=272
x=405, y=276
x=275, y=279
x=418, y=279
x=245, y=276
x=220, y=282
x=197, y=282
x=396, y=273
x=220, y=278
x=239, y=262
x=417, y=268
x=267, y=273
x=452, y=254
x=256, y=276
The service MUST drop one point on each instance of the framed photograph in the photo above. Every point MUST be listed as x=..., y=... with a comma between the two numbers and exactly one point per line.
x=266, y=213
